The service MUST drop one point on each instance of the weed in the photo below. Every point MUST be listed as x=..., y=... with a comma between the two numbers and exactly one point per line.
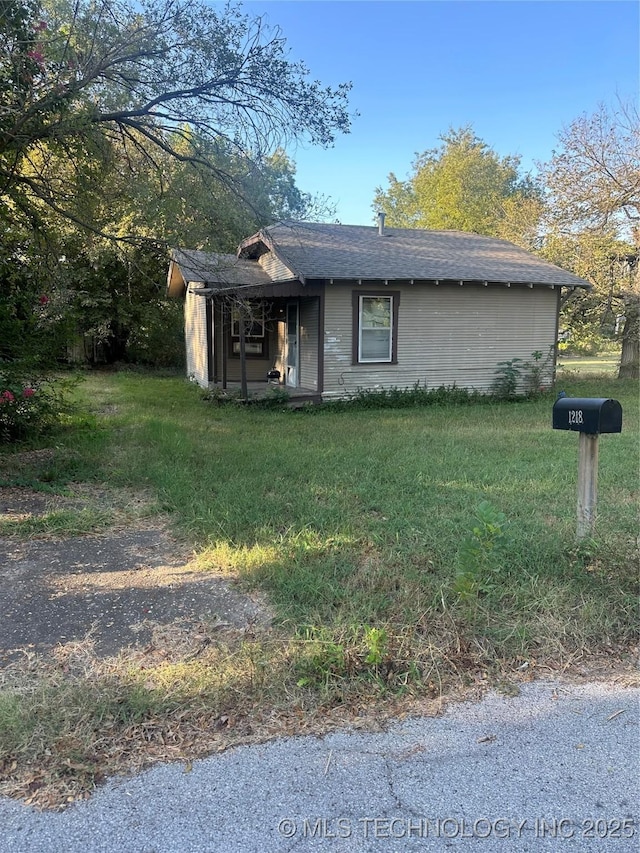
x=321, y=660
x=519, y=376
x=479, y=562
x=537, y=372
x=403, y=398
x=376, y=642
x=222, y=396
x=508, y=376
x=274, y=398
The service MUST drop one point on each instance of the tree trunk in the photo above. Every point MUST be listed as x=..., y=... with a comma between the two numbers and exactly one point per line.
x=114, y=346
x=630, y=356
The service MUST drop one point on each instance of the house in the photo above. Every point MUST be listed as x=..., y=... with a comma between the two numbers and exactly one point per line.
x=337, y=308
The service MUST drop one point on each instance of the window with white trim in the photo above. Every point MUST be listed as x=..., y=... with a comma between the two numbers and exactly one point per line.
x=375, y=328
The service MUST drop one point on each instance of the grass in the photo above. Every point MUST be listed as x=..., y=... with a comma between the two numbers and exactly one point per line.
x=369, y=530
x=604, y=364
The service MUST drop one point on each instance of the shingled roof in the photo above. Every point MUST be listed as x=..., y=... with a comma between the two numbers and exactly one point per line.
x=327, y=251
x=216, y=270
x=319, y=251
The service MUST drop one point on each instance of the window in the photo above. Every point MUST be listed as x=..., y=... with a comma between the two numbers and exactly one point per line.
x=255, y=338
x=251, y=348
x=254, y=327
x=375, y=327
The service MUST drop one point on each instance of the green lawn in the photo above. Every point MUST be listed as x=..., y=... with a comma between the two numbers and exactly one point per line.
x=358, y=518
x=605, y=364
x=406, y=552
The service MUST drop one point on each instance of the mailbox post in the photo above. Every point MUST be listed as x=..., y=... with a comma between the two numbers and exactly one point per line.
x=588, y=416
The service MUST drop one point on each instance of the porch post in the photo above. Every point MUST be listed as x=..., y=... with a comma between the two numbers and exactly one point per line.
x=216, y=341
x=209, y=314
x=243, y=354
x=223, y=319
x=321, y=339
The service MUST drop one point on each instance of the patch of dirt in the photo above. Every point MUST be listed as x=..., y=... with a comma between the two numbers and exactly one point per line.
x=27, y=457
x=118, y=588
x=18, y=504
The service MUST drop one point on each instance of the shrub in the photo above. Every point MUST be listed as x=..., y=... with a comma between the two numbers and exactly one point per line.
x=275, y=398
x=28, y=407
x=517, y=376
x=508, y=376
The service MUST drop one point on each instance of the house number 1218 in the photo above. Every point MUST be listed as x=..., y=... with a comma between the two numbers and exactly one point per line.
x=576, y=417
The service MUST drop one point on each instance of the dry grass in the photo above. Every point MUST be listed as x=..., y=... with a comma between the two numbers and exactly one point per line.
x=70, y=720
x=188, y=696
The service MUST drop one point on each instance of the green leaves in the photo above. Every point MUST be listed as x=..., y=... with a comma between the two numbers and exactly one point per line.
x=113, y=85
x=479, y=557
x=126, y=128
x=594, y=177
x=464, y=185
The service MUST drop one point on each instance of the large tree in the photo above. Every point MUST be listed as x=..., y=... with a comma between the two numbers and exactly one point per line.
x=464, y=185
x=99, y=81
x=116, y=289
x=129, y=127
x=593, y=184
x=594, y=176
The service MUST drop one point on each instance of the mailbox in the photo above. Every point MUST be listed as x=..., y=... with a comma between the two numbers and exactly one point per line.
x=592, y=415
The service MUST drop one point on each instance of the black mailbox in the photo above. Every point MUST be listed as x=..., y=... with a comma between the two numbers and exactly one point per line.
x=592, y=415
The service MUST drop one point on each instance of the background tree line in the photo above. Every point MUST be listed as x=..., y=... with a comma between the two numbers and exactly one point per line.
x=580, y=211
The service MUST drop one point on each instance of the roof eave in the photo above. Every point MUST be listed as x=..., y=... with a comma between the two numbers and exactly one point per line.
x=391, y=280
x=176, y=284
x=250, y=250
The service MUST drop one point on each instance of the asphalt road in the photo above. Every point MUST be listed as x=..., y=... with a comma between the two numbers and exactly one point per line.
x=553, y=769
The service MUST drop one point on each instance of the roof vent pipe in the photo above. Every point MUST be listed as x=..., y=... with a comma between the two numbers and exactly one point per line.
x=381, y=224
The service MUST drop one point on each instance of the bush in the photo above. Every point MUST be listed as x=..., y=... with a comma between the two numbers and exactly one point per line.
x=28, y=407
x=157, y=339
x=519, y=377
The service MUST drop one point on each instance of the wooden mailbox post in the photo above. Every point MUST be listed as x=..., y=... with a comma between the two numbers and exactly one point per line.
x=588, y=416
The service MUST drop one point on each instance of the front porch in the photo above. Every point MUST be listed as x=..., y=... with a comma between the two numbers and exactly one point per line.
x=281, y=337
x=263, y=390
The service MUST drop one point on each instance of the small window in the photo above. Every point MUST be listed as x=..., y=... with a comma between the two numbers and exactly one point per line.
x=254, y=348
x=255, y=337
x=375, y=327
x=254, y=327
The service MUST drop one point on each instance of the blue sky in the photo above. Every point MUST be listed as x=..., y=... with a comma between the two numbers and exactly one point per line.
x=516, y=71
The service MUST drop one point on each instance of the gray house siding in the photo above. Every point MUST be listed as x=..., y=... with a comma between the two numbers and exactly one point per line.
x=447, y=334
x=309, y=328
x=274, y=267
x=195, y=327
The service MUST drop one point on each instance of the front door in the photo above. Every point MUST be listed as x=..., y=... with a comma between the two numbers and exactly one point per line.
x=292, y=345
